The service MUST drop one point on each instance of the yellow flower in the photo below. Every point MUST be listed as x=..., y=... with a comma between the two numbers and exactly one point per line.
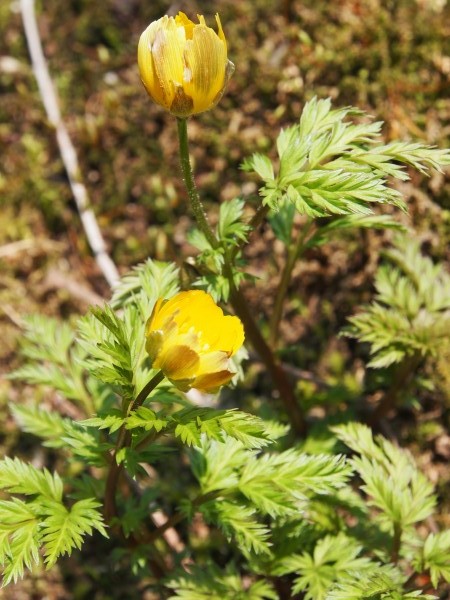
x=183, y=65
x=191, y=341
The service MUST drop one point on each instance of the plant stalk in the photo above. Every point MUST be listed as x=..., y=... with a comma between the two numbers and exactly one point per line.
x=278, y=374
x=124, y=440
x=178, y=517
x=280, y=378
x=396, y=543
x=400, y=385
x=294, y=252
x=194, y=199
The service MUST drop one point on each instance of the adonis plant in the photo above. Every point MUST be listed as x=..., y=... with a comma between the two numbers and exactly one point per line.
x=189, y=469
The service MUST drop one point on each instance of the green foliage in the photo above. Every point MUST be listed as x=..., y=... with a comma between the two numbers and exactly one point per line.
x=114, y=345
x=211, y=583
x=410, y=314
x=231, y=229
x=246, y=485
x=379, y=583
x=46, y=424
x=64, y=529
x=282, y=221
x=231, y=232
x=330, y=166
x=189, y=424
x=63, y=433
x=53, y=358
x=349, y=222
x=19, y=547
x=434, y=555
x=145, y=283
x=394, y=485
x=41, y=523
x=332, y=558
x=303, y=518
x=20, y=478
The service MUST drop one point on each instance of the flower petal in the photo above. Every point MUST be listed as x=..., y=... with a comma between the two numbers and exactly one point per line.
x=177, y=362
x=147, y=65
x=206, y=57
x=154, y=343
x=167, y=51
x=212, y=362
x=211, y=382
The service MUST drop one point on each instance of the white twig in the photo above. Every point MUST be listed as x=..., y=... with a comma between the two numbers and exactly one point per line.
x=66, y=148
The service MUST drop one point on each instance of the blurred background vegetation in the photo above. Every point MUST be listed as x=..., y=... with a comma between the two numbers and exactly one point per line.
x=389, y=57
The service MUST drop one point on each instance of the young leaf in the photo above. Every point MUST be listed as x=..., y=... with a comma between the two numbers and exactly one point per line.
x=149, y=280
x=331, y=166
x=63, y=529
x=436, y=556
x=18, y=538
x=231, y=228
x=410, y=314
x=332, y=557
x=22, y=478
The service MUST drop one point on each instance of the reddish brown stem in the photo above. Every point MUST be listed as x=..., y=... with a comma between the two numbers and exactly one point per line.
x=278, y=374
x=400, y=384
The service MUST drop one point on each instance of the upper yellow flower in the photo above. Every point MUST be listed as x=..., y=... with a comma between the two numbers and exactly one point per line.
x=183, y=65
x=191, y=341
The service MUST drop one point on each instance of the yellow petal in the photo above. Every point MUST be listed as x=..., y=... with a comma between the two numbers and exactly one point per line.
x=167, y=51
x=177, y=362
x=211, y=382
x=220, y=32
x=197, y=310
x=147, y=66
x=206, y=59
x=190, y=340
x=152, y=322
x=213, y=362
x=154, y=344
x=184, y=21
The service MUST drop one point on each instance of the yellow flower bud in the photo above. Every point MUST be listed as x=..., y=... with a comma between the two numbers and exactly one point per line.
x=183, y=65
x=191, y=341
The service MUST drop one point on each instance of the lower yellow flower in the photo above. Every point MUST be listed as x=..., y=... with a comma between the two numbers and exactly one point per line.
x=191, y=341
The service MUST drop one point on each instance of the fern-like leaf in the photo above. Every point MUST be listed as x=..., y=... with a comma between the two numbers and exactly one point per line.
x=63, y=529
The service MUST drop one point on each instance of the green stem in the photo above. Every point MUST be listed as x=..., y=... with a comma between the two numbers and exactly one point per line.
x=124, y=440
x=294, y=252
x=194, y=199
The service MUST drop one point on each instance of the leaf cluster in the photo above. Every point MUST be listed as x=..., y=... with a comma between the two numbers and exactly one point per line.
x=40, y=522
x=410, y=315
x=232, y=231
x=246, y=486
x=331, y=166
x=392, y=482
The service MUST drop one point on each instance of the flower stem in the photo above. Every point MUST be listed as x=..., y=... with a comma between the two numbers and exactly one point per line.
x=124, y=440
x=194, y=199
x=295, y=250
